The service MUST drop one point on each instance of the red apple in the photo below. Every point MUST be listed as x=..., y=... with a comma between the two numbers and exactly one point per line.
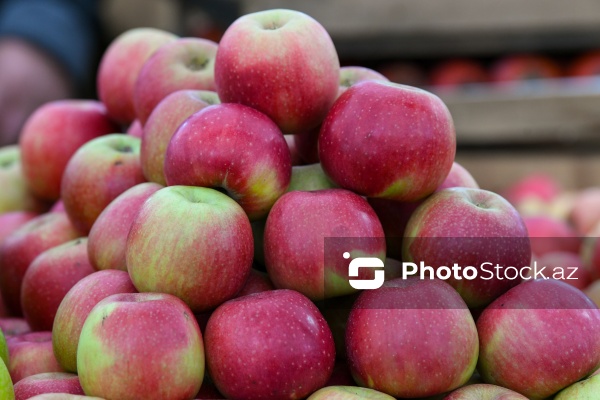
x=136, y=129
x=269, y=345
x=309, y=178
x=11, y=221
x=565, y=266
x=588, y=64
x=31, y=354
x=386, y=140
x=484, y=391
x=75, y=308
x=411, y=338
x=187, y=63
x=50, y=382
x=549, y=234
x=108, y=236
x=585, y=213
x=195, y=243
x=97, y=173
x=457, y=74
x=297, y=254
x=582, y=390
x=348, y=393
x=14, y=326
x=282, y=63
x=20, y=248
x=233, y=147
x=121, y=65
x=471, y=228
x=51, y=136
x=522, y=67
x=535, y=186
x=48, y=279
x=15, y=194
x=162, y=124
x=351, y=75
x=140, y=346
x=539, y=323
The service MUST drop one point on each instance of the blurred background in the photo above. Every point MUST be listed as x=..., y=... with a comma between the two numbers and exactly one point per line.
x=520, y=78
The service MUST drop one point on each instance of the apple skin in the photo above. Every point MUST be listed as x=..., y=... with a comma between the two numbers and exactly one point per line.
x=186, y=63
x=441, y=232
x=585, y=213
x=535, y=186
x=522, y=67
x=195, y=243
x=348, y=393
x=394, y=215
x=352, y=74
x=141, y=346
x=11, y=221
x=63, y=396
x=294, y=241
x=48, y=279
x=558, y=261
x=269, y=345
x=540, y=322
x=120, y=66
x=31, y=354
x=586, y=389
x=233, y=147
x=263, y=57
x=309, y=178
x=168, y=115
x=19, y=249
x=50, y=382
x=550, y=234
x=51, y=136
x=15, y=195
x=97, y=173
x=456, y=74
x=6, y=386
x=402, y=135
x=75, y=308
x=385, y=332
x=14, y=326
x=136, y=129
x=108, y=236
x=484, y=391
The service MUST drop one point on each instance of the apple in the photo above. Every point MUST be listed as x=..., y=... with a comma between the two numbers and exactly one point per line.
x=282, y=63
x=585, y=213
x=97, y=173
x=348, y=393
x=49, y=382
x=469, y=227
x=269, y=345
x=593, y=292
x=297, y=254
x=186, y=63
x=3, y=348
x=14, y=326
x=48, y=279
x=195, y=243
x=394, y=215
x=587, y=64
x=59, y=206
x=411, y=338
x=387, y=140
x=51, y=136
x=235, y=148
x=484, y=391
x=21, y=247
x=31, y=354
x=108, y=236
x=76, y=306
x=539, y=186
x=550, y=234
x=15, y=195
x=308, y=178
x=352, y=74
x=162, y=124
x=540, y=322
x=6, y=386
x=567, y=267
x=63, y=396
x=140, y=346
x=586, y=389
x=457, y=74
x=120, y=66
x=520, y=67
x=11, y=221
x=257, y=282
x=136, y=129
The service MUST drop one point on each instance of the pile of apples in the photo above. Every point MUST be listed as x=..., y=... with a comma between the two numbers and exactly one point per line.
x=205, y=253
